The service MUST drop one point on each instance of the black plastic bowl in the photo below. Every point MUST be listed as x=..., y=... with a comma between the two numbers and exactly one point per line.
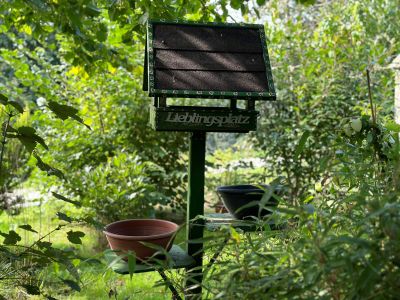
x=237, y=196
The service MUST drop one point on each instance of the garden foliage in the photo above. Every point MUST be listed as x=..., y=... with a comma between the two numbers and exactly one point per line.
x=336, y=153
x=74, y=121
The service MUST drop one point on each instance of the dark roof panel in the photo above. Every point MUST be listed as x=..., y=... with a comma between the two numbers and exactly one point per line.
x=211, y=80
x=199, y=38
x=217, y=61
x=206, y=59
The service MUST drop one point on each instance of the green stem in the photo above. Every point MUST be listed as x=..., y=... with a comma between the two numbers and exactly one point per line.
x=373, y=111
x=4, y=141
x=40, y=239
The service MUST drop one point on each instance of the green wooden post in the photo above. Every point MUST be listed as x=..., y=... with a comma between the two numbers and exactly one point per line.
x=195, y=207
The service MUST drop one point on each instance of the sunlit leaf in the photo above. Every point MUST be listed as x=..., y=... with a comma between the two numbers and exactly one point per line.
x=235, y=235
x=392, y=126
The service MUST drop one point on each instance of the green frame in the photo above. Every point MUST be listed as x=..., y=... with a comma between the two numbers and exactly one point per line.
x=149, y=84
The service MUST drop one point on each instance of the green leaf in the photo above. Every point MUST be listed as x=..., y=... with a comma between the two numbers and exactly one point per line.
x=102, y=32
x=29, y=133
x=80, y=120
x=285, y=210
x=64, y=217
x=131, y=263
x=92, y=10
x=75, y=236
x=306, y=2
x=18, y=106
x=44, y=244
x=3, y=99
x=11, y=238
x=72, y=284
x=393, y=126
x=261, y=2
x=247, y=205
x=302, y=143
x=31, y=289
x=27, y=227
x=93, y=261
x=28, y=143
x=64, y=112
x=235, y=235
x=235, y=4
x=40, y=5
x=9, y=127
x=47, y=168
x=61, y=197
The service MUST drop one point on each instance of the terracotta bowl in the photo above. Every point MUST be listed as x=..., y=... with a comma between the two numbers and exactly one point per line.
x=128, y=234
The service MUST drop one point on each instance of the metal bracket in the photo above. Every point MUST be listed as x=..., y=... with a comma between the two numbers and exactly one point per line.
x=251, y=105
x=233, y=104
x=162, y=102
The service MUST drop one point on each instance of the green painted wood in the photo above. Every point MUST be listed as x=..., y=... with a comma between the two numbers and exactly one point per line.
x=213, y=94
x=196, y=23
x=195, y=208
x=179, y=259
x=209, y=119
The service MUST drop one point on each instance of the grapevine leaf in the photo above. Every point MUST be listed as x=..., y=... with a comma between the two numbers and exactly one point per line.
x=11, y=238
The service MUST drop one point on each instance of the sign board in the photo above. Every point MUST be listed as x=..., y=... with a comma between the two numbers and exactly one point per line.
x=218, y=119
x=207, y=60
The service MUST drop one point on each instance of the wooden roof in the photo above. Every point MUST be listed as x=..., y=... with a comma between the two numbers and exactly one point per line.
x=207, y=60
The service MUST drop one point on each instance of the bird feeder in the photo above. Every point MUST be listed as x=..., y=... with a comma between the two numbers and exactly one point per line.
x=212, y=61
